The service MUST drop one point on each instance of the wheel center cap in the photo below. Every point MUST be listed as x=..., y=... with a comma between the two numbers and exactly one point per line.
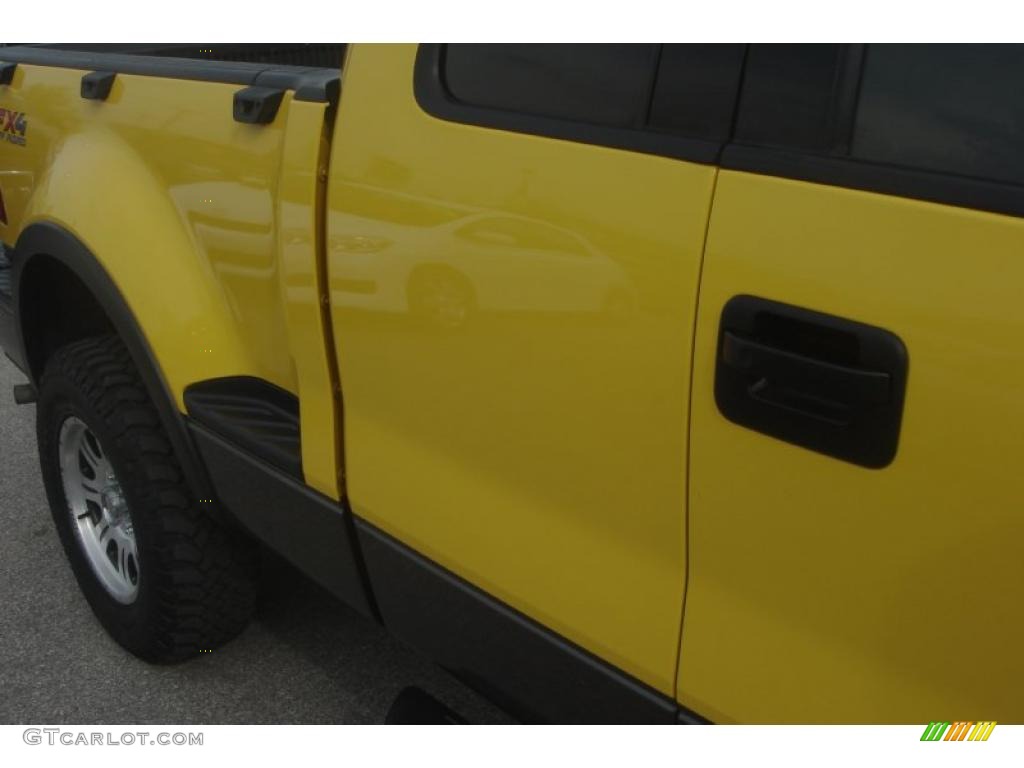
x=114, y=505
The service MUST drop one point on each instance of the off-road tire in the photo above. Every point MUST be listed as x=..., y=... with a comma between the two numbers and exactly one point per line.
x=196, y=575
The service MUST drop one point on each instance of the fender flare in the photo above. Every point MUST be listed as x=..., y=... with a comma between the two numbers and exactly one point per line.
x=49, y=239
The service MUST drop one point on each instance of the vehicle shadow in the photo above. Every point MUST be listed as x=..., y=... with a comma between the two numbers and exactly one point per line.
x=352, y=653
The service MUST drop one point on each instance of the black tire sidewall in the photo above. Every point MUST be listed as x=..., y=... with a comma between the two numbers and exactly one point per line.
x=129, y=624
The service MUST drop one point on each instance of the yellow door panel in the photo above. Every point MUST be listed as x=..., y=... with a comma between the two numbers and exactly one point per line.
x=824, y=591
x=514, y=320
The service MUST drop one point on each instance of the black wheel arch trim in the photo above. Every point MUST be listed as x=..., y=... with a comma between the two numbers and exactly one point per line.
x=53, y=241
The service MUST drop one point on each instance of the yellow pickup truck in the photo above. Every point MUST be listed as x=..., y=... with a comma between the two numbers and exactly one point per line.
x=633, y=383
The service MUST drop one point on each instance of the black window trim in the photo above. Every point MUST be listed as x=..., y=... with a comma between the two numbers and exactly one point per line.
x=434, y=98
x=908, y=183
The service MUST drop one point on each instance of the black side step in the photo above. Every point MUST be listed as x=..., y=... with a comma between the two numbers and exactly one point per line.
x=313, y=532
x=526, y=669
x=253, y=414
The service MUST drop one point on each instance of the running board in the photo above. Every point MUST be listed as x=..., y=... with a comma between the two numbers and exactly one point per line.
x=253, y=414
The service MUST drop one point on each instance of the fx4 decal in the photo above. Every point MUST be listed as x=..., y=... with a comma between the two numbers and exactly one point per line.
x=13, y=126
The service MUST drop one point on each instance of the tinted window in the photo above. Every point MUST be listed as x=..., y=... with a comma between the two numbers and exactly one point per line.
x=788, y=95
x=952, y=108
x=595, y=84
x=695, y=94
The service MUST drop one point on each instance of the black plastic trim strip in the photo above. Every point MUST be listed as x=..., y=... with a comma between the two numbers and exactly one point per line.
x=434, y=99
x=96, y=85
x=310, y=530
x=309, y=83
x=7, y=70
x=687, y=717
x=320, y=85
x=254, y=414
x=963, y=192
x=534, y=674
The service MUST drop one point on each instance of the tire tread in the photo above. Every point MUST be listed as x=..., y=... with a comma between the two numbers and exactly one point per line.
x=203, y=571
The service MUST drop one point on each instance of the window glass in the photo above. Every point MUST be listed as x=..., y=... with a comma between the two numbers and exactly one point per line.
x=695, y=94
x=951, y=108
x=596, y=84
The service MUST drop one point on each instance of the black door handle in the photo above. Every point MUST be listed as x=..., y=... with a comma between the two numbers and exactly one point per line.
x=819, y=381
x=802, y=384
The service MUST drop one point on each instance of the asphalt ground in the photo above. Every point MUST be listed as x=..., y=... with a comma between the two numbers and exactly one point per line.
x=306, y=658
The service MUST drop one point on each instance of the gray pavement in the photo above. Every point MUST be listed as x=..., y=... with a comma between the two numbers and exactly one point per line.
x=306, y=658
